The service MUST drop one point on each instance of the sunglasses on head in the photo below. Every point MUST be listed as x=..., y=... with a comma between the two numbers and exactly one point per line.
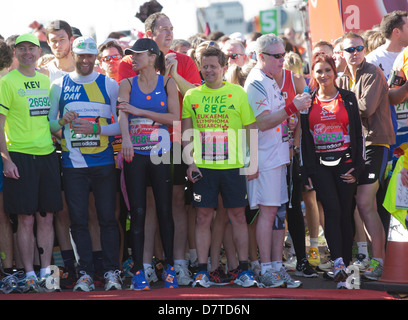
x=210, y=44
x=275, y=55
x=235, y=55
x=115, y=57
x=353, y=49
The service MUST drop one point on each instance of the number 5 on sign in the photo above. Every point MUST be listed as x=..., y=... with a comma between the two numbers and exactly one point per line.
x=270, y=21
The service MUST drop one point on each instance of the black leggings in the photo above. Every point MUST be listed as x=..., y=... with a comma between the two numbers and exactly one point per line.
x=337, y=198
x=136, y=178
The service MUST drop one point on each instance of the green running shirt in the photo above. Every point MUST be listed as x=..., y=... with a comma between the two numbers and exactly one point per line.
x=25, y=103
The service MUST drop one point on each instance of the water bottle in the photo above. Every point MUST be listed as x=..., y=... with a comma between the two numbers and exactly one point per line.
x=305, y=111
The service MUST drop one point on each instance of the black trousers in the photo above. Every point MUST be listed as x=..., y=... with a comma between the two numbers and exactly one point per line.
x=337, y=198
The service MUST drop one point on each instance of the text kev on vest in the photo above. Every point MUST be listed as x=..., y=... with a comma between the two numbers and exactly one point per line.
x=91, y=101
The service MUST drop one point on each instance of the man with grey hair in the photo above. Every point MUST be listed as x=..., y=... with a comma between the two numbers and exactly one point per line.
x=268, y=191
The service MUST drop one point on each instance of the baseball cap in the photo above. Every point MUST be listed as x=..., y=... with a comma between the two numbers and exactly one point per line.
x=143, y=45
x=27, y=37
x=84, y=45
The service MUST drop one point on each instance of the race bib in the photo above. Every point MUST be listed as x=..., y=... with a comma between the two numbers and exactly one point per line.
x=85, y=140
x=39, y=106
x=214, y=145
x=330, y=141
x=144, y=133
x=285, y=131
x=402, y=114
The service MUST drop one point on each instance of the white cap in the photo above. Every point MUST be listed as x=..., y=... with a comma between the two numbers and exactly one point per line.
x=84, y=45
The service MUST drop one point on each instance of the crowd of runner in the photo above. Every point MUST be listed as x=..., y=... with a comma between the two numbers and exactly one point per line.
x=222, y=158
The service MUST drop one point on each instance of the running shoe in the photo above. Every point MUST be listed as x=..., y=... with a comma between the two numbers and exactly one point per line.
x=341, y=285
x=314, y=256
x=289, y=281
x=113, y=280
x=84, y=283
x=304, y=269
x=246, y=279
x=256, y=269
x=31, y=285
x=183, y=274
x=362, y=262
x=339, y=270
x=170, y=278
x=233, y=274
x=219, y=278
x=374, y=271
x=291, y=262
x=201, y=279
x=326, y=266
x=49, y=284
x=270, y=279
x=9, y=283
x=139, y=281
x=68, y=278
x=150, y=274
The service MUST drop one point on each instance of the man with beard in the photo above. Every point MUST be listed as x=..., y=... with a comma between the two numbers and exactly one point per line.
x=86, y=102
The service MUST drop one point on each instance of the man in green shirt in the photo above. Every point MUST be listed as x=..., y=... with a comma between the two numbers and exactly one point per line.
x=215, y=115
x=31, y=168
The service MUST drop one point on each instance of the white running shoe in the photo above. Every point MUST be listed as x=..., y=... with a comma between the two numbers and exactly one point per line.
x=150, y=274
x=183, y=274
x=113, y=280
x=84, y=283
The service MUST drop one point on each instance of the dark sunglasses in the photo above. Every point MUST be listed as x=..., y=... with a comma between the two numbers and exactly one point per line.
x=275, y=55
x=235, y=55
x=115, y=57
x=353, y=49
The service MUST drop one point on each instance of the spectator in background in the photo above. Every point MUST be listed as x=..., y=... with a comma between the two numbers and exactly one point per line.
x=180, y=45
x=110, y=55
x=338, y=56
x=235, y=51
x=323, y=46
x=374, y=40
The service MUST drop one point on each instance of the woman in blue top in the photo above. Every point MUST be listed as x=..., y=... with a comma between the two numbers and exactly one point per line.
x=147, y=104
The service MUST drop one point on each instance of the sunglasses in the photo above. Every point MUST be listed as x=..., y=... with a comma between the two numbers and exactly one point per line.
x=353, y=49
x=115, y=57
x=212, y=43
x=235, y=55
x=275, y=55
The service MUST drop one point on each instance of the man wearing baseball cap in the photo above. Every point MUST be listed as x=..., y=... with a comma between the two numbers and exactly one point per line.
x=83, y=103
x=31, y=166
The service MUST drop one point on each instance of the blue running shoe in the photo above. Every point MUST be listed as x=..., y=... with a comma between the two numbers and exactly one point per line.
x=201, y=279
x=139, y=281
x=169, y=277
